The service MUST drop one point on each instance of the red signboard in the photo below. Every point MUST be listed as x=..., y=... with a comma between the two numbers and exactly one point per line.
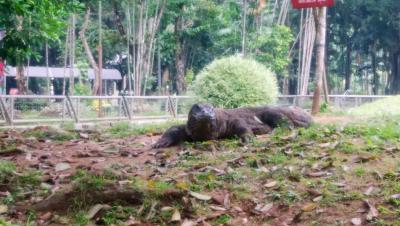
x=299, y=4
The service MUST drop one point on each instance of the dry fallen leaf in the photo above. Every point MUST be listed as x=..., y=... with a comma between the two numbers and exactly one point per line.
x=95, y=209
x=324, y=145
x=176, y=216
x=3, y=209
x=395, y=196
x=309, y=207
x=318, y=198
x=62, y=166
x=200, y=196
x=270, y=184
x=369, y=191
x=218, y=208
x=131, y=222
x=187, y=222
x=356, y=221
x=339, y=184
x=317, y=174
x=166, y=208
x=266, y=208
x=372, y=211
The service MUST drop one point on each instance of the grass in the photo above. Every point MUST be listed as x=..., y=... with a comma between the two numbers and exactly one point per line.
x=50, y=133
x=7, y=168
x=125, y=129
x=88, y=180
x=388, y=106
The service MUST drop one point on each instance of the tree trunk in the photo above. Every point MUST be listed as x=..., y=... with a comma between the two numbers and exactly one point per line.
x=96, y=83
x=180, y=62
x=165, y=80
x=20, y=79
x=244, y=15
x=395, y=73
x=72, y=57
x=100, y=55
x=320, y=19
x=375, y=87
x=180, y=59
x=348, y=66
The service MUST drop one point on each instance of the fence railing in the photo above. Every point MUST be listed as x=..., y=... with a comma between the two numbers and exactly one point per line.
x=27, y=109
x=24, y=109
x=340, y=101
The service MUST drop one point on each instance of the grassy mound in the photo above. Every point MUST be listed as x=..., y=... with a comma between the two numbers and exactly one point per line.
x=387, y=106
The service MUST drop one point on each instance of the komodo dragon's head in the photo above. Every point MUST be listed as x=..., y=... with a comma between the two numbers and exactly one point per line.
x=202, y=122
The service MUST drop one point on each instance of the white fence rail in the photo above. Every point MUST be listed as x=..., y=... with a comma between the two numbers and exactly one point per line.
x=25, y=109
x=28, y=109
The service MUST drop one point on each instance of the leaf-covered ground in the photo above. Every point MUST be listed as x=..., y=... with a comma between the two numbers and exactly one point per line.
x=341, y=173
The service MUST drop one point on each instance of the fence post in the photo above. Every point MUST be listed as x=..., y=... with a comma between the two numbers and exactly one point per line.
x=176, y=106
x=78, y=107
x=12, y=109
x=63, y=109
x=126, y=107
x=4, y=112
x=171, y=107
x=119, y=106
x=71, y=107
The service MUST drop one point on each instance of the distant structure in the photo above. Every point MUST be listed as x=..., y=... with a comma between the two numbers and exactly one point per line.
x=111, y=77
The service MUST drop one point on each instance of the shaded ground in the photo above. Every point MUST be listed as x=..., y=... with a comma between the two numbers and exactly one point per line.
x=325, y=175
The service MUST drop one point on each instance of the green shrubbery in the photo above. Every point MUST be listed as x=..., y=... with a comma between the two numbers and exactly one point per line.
x=235, y=82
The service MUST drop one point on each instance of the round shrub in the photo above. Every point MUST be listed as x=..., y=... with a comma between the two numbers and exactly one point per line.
x=234, y=81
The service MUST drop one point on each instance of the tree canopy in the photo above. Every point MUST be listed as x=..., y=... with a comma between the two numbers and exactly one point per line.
x=160, y=46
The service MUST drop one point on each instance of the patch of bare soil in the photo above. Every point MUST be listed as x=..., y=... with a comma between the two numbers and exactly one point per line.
x=328, y=119
x=285, y=181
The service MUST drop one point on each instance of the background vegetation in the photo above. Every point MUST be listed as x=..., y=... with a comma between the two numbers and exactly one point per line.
x=170, y=42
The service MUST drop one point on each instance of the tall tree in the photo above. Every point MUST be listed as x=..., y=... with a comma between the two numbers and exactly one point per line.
x=320, y=20
x=29, y=24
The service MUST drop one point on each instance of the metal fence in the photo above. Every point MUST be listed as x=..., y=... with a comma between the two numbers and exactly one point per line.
x=26, y=109
x=340, y=101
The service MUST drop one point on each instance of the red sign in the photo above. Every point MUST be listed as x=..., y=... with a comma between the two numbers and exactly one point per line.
x=299, y=4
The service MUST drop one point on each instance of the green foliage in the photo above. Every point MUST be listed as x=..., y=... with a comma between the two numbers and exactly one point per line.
x=324, y=108
x=29, y=24
x=82, y=89
x=6, y=170
x=222, y=220
x=235, y=82
x=80, y=219
x=359, y=171
x=385, y=107
x=88, y=180
x=271, y=47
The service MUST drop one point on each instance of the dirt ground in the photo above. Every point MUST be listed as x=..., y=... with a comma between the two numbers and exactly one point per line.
x=280, y=179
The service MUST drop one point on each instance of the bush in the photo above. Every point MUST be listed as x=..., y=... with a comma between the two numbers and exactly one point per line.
x=235, y=82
